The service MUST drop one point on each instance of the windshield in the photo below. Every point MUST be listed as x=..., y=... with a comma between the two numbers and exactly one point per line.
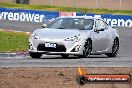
x=72, y=23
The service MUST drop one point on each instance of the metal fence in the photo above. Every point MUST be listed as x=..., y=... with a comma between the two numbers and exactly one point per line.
x=108, y=4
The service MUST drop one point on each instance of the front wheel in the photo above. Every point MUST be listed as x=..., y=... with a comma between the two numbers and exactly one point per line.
x=115, y=48
x=87, y=48
x=35, y=55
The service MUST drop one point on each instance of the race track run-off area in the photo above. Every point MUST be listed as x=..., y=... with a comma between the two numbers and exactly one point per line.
x=123, y=59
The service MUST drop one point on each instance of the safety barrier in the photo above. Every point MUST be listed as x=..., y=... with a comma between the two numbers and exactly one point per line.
x=40, y=16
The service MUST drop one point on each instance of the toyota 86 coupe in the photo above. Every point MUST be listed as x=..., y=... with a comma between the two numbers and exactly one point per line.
x=81, y=36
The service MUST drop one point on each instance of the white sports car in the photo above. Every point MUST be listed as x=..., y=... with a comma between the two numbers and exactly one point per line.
x=75, y=35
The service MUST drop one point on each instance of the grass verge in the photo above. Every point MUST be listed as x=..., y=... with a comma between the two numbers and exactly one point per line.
x=67, y=9
x=13, y=42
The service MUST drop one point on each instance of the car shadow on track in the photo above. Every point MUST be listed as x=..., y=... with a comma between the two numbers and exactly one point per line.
x=72, y=57
x=59, y=58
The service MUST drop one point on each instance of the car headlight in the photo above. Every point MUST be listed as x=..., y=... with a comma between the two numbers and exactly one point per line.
x=35, y=36
x=74, y=38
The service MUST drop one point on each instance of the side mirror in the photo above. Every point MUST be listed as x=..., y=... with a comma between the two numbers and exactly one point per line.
x=100, y=28
x=44, y=26
x=113, y=26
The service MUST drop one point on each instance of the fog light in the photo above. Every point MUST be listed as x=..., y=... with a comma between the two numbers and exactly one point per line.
x=30, y=47
x=77, y=48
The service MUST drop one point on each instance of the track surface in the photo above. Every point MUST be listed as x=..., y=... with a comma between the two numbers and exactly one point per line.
x=124, y=58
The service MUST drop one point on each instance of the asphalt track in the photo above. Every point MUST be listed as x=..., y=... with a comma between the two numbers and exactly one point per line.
x=123, y=59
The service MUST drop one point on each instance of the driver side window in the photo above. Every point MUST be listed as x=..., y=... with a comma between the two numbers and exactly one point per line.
x=100, y=23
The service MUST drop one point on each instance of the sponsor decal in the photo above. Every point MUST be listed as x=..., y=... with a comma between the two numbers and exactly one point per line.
x=27, y=15
x=22, y=16
x=117, y=22
x=113, y=20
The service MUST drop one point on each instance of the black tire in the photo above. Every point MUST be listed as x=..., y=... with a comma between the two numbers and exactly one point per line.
x=87, y=48
x=80, y=56
x=64, y=56
x=35, y=55
x=115, y=48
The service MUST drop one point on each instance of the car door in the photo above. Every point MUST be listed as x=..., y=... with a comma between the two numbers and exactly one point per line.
x=100, y=39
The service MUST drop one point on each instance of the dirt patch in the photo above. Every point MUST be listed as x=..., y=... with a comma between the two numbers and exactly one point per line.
x=55, y=77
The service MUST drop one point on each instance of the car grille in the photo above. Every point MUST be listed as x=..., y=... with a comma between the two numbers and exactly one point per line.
x=59, y=48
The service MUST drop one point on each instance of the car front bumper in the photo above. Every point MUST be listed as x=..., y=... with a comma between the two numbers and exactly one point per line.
x=67, y=47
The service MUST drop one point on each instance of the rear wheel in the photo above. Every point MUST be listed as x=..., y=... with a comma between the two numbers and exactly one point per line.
x=35, y=55
x=115, y=48
x=87, y=48
x=64, y=56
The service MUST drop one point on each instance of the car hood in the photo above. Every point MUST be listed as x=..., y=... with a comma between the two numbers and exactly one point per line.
x=58, y=33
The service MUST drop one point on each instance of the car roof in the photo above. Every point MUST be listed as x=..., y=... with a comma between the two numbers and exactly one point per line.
x=85, y=17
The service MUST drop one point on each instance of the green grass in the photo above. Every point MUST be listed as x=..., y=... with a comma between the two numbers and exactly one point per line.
x=68, y=9
x=13, y=42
